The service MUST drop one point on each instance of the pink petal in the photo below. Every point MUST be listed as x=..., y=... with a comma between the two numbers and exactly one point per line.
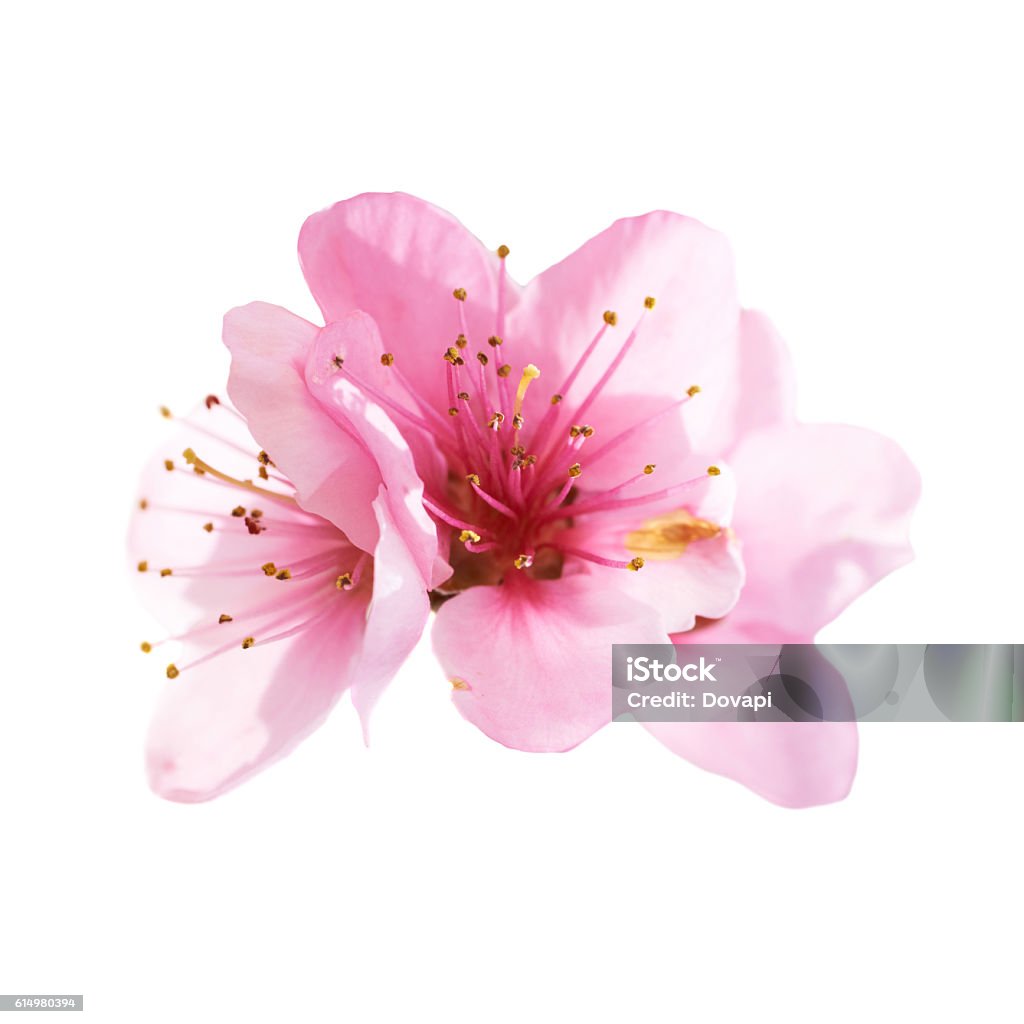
x=535, y=656
x=333, y=474
x=823, y=513
x=795, y=764
x=399, y=259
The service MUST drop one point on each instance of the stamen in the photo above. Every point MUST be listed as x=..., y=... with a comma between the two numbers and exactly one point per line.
x=634, y=564
x=498, y=506
x=193, y=460
x=145, y=647
x=604, y=504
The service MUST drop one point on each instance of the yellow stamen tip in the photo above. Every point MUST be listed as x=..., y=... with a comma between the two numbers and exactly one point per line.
x=453, y=411
x=713, y=471
x=575, y=469
x=168, y=465
x=469, y=537
x=143, y=504
x=208, y=527
x=505, y=370
x=238, y=511
x=649, y=468
x=503, y=251
x=494, y=341
x=344, y=581
x=636, y=564
x=143, y=566
x=166, y=572
x=225, y=618
x=694, y=389
x=189, y=456
x=523, y=561
x=458, y=684
x=165, y=412
x=611, y=318
x=268, y=568
x=555, y=399
x=460, y=294
x=649, y=302
x=387, y=359
x=284, y=574
x=145, y=647
x=172, y=672
x=248, y=642
x=473, y=478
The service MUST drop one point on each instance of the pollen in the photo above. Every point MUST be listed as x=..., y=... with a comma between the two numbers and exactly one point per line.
x=635, y=564
x=238, y=511
x=208, y=527
x=649, y=302
x=555, y=399
x=494, y=341
x=503, y=251
x=713, y=471
x=460, y=341
x=575, y=469
x=166, y=572
x=145, y=647
x=269, y=569
x=469, y=537
x=482, y=356
x=649, y=468
x=460, y=294
x=344, y=581
x=143, y=566
x=387, y=359
x=523, y=561
x=693, y=389
x=225, y=618
x=284, y=574
x=453, y=411
x=248, y=642
x=172, y=671
x=473, y=478
x=611, y=318
x=165, y=412
x=505, y=370
x=168, y=465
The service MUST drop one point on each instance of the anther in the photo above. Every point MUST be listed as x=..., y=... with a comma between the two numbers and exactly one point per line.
x=208, y=527
x=649, y=302
x=257, y=513
x=238, y=511
x=254, y=526
x=268, y=568
x=649, y=468
x=575, y=469
x=469, y=537
x=337, y=362
x=166, y=572
x=460, y=294
x=172, y=672
x=713, y=471
x=263, y=459
x=344, y=581
x=453, y=411
x=168, y=465
x=473, y=478
x=387, y=359
x=211, y=401
x=517, y=421
x=225, y=618
x=248, y=642
x=503, y=251
x=264, y=475
x=143, y=504
x=496, y=421
x=143, y=566
x=523, y=561
x=463, y=396
x=460, y=341
x=610, y=318
x=505, y=370
x=693, y=389
x=482, y=357
x=635, y=564
x=165, y=412
x=458, y=684
x=284, y=574
x=494, y=341
x=145, y=647
x=555, y=399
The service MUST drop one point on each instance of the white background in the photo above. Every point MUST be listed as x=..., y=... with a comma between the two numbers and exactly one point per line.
x=865, y=160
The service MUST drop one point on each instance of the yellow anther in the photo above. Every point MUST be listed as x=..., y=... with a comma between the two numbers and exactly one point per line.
x=473, y=478
x=208, y=527
x=256, y=513
x=503, y=251
x=611, y=318
x=693, y=389
x=649, y=302
x=166, y=572
x=248, y=642
x=143, y=566
x=575, y=469
x=575, y=431
x=264, y=475
x=172, y=672
x=555, y=399
x=225, y=618
x=523, y=561
x=452, y=411
x=165, y=412
x=387, y=359
x=505, y=370
x=494, y=341
x=143, y=504
x=284, y=574
x=263, y=459
x=496, y=421
x=587, y=431
x=460, y=341
x=268, y=568
x=635, y=564
x=168, y=465
x=649, y=468
x=713, y=471
x=458, y=684
x=517, y=421
x=344, y=581
x=482, y=356
x=238, y=511
x=469, y=537
x=460, y=294
x=145, y=647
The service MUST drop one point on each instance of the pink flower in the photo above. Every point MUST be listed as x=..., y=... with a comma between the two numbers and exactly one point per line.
x=277, y=605
x=581, y=448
